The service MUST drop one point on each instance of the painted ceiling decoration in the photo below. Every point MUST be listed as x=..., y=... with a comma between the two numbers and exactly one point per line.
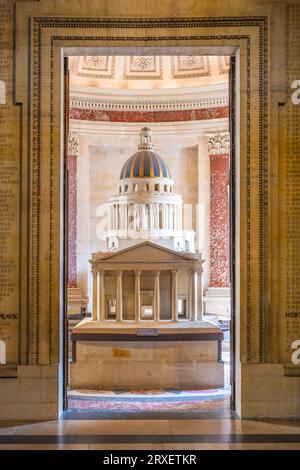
x=143, y=67
x=149, y=67
x=190, y=66
x=96, y=67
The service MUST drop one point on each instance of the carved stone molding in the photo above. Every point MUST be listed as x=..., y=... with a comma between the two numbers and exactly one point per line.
x=218, y=144
x=128, y=104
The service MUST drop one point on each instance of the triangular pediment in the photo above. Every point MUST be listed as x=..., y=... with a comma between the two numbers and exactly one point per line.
x=146, y=251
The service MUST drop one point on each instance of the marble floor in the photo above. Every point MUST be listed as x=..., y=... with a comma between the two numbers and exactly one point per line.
x=205, y=433
x=147, y=403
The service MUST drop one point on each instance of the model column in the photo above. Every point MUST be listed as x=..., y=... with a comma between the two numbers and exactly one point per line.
x=95, y=295
x=151, y=225
x=101, y=298
x=174, y=295
x=199, y=296
x=193, y=294
x=119, y=296
x=137, y=315
x=98, y=307
x=156, y=296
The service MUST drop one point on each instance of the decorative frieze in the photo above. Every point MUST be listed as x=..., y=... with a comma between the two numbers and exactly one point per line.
x=132, y=104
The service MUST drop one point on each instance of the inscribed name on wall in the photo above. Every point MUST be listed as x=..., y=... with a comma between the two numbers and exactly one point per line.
x=9, y=231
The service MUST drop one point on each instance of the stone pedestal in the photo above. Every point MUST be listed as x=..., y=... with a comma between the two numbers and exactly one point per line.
x=180, y=355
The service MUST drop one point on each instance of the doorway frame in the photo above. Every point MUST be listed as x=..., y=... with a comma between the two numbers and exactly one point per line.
x=246, y=37
x=231, y=202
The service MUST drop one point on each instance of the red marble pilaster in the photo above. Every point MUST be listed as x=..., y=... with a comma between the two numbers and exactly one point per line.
x=219, y=220
x=72, y=212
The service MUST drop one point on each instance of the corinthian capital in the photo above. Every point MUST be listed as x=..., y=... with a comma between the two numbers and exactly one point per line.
x=218, y=144
x=73, y=145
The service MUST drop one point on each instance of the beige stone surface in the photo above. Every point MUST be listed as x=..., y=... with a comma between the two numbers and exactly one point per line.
x=33, y=394
x=146, y=364
x=132, y=327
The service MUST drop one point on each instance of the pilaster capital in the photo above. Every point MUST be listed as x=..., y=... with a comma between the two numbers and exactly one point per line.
x=218, y=144
x=73, y=145
x=119, y=273
x=137, y=273
x=192, y=271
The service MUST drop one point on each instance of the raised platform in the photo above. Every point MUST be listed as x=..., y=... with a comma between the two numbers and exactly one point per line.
x=130, y=355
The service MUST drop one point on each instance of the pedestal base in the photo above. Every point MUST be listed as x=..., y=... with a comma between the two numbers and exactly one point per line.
x=150, y=355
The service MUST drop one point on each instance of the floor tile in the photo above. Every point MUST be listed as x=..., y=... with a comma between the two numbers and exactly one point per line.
x=199, y=426
x=193, y=446
x=102, y=427
x=44, y=446
x=126, y=446
x=265, y=446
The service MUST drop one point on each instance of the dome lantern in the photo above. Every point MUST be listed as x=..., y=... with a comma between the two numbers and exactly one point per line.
x=145, y=163
x=145, y=139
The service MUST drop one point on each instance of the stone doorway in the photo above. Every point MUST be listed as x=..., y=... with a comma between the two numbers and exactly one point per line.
x=217, y=299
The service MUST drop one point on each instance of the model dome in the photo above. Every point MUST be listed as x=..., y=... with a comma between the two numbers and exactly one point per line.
x=145, y=163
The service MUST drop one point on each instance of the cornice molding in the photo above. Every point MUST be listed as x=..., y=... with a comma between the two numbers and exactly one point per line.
x=132, y=104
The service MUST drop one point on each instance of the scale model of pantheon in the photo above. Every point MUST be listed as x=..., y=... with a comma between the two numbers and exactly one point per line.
x=150, y=270
x=146, y=328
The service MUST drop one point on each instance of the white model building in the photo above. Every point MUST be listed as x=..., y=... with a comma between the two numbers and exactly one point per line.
x=147, y=290
x=146, y=207
x=150, y=271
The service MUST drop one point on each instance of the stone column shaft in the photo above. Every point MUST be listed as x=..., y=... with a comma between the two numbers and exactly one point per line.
x=72, y=219
x=219, y=220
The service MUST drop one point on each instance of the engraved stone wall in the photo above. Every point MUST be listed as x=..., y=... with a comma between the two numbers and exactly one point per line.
x=292, y=313
x=9, y=231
